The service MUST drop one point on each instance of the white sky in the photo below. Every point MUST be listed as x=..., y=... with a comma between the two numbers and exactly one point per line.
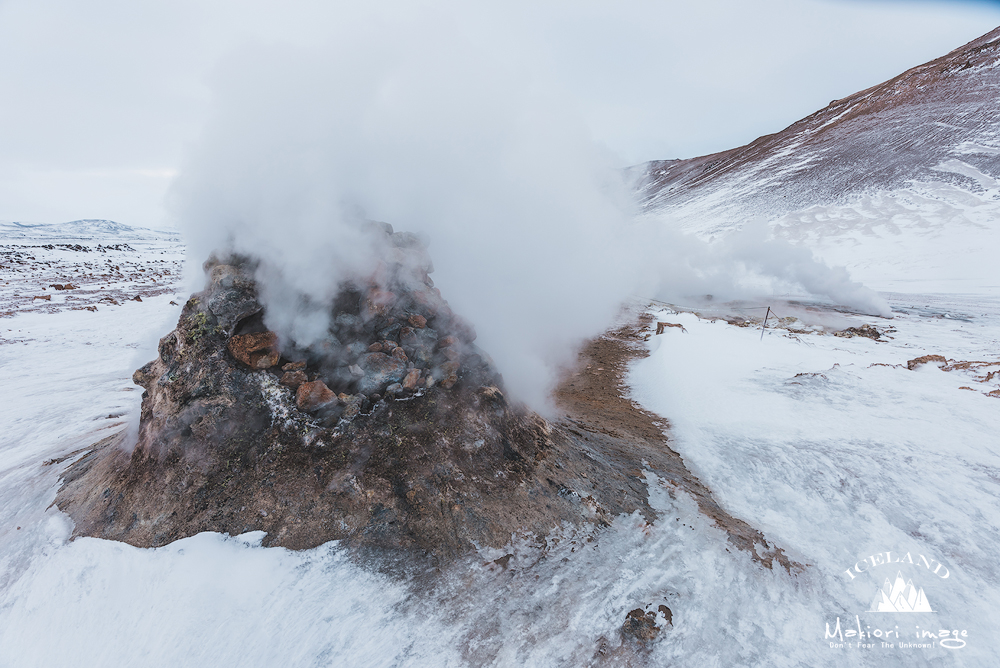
x=101, y=100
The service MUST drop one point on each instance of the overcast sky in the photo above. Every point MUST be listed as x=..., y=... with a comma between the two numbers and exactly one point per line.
x=101, y=100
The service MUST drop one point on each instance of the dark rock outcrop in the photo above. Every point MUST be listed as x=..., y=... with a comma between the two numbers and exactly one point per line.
x=397, y=437
x=393, y=431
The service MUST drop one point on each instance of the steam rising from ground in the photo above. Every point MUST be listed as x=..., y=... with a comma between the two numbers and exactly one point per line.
x=750, y=263
x=430, y=122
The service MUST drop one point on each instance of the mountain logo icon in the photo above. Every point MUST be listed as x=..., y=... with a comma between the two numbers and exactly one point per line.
x=900, y=596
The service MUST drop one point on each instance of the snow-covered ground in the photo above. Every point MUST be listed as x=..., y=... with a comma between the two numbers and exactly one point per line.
x=856, y=457
x=931, y=236
x=838, y=451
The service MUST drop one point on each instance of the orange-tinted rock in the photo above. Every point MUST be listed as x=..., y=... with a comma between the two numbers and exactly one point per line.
x=258, y=350
x=311, y=396
x=379, y=301
x=450, y=371
x=293, y=379
x=411, y=379
x=417, y=321
x=914, y=363
x=399, y=354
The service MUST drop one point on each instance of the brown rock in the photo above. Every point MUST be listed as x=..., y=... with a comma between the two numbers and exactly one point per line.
x=137, y=298
x=450, y=371
x=294, y=366
x=311, y=396
x=417, y=321
x=375, y=348
x=914, y=363
x=379, y=302
x=448, y=341
x=258, y=350
x=47, y=298
x=399, y=354
x=640, y=625
x=667, y=614
x=411, y=379
x=293, y=379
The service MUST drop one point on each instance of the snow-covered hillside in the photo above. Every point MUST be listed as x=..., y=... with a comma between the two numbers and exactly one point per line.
x=898, y=182
x=78, y=231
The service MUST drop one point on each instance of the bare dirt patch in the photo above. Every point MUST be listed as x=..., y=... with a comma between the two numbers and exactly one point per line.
x=599, y=414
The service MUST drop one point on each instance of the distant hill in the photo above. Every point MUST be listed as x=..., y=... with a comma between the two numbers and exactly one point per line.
x=899, y=182
x=82, y=230
x=914, y=127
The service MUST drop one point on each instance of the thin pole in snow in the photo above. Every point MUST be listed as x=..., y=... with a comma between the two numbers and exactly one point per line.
x=765, y=323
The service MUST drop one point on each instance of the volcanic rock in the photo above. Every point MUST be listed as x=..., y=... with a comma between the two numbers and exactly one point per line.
x=640, y=625
x=381, y=370
x=258, y=350
x=365, y=451
x=311, y=396
x=411, y=380
x=436, y=463
x=925, y=359
x=232, y=295
x=866, y=331
x=293, y=379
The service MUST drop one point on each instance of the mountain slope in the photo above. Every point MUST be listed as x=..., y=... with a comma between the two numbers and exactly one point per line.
x=936, y=123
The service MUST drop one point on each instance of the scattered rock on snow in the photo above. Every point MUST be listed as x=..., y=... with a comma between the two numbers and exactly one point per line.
x=641, y=624
x=925, y=359
x=867, y=331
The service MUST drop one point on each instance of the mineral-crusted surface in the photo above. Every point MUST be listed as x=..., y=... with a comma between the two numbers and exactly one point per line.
x=392, y=431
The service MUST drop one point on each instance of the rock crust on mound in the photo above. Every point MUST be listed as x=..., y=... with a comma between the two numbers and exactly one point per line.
x=394, y=431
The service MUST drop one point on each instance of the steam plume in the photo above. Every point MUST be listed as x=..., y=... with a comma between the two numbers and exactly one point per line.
x=420, y=123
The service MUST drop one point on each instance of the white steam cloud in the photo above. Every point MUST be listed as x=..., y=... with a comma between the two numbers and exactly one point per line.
x=750, y=263
x=440, y=128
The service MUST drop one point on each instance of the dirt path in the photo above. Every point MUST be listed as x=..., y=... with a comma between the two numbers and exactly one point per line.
x=599, y=417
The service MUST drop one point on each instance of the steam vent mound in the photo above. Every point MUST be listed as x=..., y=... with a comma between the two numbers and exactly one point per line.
x=393, y=431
